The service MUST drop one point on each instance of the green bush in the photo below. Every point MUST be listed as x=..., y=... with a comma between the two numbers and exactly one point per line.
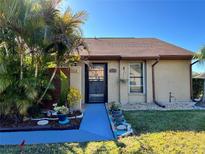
x=129, y=145
x=73, y=97
x=155, y=143
x=197, y=88
x=33, y=110
x=173, y=142
x=101, y=148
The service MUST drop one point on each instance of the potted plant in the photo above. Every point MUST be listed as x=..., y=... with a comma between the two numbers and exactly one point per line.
x=61, y=112
x=115, y=108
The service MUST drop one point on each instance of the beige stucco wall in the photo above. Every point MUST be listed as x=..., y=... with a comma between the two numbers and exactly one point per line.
x=149, y=80
x=170, y=76
x=125, y=96
x=76, y=81
x=113, y=81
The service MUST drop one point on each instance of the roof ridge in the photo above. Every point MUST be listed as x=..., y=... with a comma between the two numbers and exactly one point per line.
x=119, y=38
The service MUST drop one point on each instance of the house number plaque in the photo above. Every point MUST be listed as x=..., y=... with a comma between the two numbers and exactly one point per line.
x=112, y=70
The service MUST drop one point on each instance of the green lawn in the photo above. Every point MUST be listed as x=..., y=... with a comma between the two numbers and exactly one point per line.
x=157, y=121
x=158, y=132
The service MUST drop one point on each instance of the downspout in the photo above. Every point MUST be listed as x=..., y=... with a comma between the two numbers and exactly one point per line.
x=153, y=85
x=191, y=86
x=119, y=67
x=145, y=67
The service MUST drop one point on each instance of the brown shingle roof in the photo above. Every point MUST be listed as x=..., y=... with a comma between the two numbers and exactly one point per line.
x=133, y=48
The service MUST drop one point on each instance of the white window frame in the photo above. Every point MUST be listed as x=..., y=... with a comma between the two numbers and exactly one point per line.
x=143, y=79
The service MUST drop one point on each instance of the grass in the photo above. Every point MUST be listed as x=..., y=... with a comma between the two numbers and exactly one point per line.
x=159, y=132
x=158, y=121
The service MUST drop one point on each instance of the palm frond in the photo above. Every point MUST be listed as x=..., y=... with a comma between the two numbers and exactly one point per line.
x=200, y=55
x=4, y=83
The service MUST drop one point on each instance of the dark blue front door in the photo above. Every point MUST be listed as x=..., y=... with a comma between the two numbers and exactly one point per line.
x=96, y=90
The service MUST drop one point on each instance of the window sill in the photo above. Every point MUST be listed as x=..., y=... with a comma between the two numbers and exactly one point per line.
x=136, y=94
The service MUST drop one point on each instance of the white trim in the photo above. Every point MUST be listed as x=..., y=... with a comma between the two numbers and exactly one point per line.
x=143, y=79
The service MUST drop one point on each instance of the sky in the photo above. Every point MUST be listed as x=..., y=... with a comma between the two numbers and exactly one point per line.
x=181, y=22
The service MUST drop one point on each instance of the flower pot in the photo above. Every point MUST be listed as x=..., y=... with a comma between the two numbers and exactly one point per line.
x=61, y=117
x=115, y=116
x=117, y=112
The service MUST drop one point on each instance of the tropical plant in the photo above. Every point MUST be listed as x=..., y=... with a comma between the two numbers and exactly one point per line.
x=15, y=94
x=63, y=36
x=73, y=97
x=27, y=25
x=200, y=56
x=33, y=36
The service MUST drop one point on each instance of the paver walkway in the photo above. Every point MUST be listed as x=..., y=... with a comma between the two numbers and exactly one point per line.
x=95, y=126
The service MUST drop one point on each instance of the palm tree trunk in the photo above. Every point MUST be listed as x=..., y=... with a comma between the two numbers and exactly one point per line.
x=49, y=83
x=21, y=66
x=36, y=70
x=7, y=52
x=21, y=56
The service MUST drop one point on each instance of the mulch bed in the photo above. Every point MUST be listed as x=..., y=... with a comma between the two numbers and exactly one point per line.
x=7, y=125
x=32, y=126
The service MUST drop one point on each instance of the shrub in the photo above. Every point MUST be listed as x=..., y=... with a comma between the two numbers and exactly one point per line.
x=157, y=143
x=173, y=142
x=129, y=145
x=34, y=110
x=197, y=88
x=73, y=96
x=101, y=147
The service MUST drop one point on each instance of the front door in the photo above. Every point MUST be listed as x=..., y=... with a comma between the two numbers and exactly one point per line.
x=96, y=83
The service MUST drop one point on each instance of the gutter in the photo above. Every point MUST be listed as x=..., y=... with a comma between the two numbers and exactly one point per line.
x=153, y=84
x=191, y=86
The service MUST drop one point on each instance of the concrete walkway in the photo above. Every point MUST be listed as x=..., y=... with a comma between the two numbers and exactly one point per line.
x=95, y=126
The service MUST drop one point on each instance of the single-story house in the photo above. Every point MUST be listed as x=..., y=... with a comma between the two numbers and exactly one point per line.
x=133, y=70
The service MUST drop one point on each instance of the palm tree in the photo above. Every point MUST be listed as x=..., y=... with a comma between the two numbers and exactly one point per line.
x=26, y=23
x=42, y=31
x=63, y=36
x=200, y=56
x=36, y=30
